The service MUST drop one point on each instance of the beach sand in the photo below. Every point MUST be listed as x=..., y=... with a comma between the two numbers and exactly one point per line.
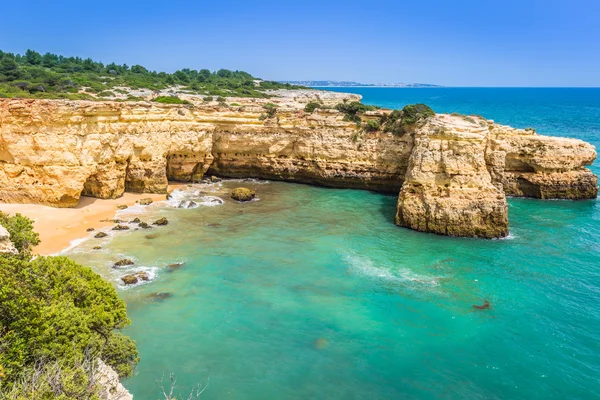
x=58, y=227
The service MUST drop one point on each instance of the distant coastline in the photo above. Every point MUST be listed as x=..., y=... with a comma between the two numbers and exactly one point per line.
x=357, y=84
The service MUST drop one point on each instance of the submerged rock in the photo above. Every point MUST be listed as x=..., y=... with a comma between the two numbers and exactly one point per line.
x=122, y=263
x=151, y=236
x=100, y=235
x=320, y=343
x=120, y=227
x=144, y=225
x=243, y=194
x=161, y=221
x=145, y=201
x=174, y=266
x=215, y=225
x=159, y=296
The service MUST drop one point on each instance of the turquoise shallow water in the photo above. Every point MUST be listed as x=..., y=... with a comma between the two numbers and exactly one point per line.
x=315, y=293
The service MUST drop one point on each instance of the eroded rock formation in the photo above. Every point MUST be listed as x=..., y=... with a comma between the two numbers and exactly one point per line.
x=456, y=170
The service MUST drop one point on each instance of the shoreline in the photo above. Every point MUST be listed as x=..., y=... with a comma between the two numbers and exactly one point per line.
x=59, y=228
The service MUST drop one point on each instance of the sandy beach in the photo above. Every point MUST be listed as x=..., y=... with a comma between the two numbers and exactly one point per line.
x=58, y=227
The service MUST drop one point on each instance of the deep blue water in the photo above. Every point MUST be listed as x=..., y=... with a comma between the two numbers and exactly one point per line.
x=314, y=293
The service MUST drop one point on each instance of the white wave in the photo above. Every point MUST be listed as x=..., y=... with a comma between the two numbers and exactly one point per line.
x=364, y=266
x=510, y=236
x=72, y=244
x=151, y=271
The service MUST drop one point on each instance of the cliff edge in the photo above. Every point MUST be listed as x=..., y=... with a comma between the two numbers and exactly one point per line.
x=452, y=172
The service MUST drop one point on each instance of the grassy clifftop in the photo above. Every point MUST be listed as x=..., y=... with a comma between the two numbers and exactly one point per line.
x=34, y=75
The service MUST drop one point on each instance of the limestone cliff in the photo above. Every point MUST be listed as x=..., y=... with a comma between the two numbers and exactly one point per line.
x=455, y=170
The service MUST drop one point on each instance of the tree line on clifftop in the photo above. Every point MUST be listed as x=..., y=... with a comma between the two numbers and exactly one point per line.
x=57, y=318
x=35, y=75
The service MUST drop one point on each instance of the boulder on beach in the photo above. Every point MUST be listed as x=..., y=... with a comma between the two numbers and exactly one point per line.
x=90, y=229
x=144, y=225
x=122, y=263
x=146, y=201
x=243, y=194
x=120, y=227
x=161, y=221
x=122, y=206
x=100, y=235
x=135, y=221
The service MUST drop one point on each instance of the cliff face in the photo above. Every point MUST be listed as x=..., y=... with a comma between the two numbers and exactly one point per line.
x=457, y=170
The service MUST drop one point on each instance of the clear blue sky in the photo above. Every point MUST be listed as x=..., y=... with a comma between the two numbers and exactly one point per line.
x=453, y=43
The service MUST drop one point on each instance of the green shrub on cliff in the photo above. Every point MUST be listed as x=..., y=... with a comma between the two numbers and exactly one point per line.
x=54, y=311
x=352, y=109
x=371, y=126
x=170, y=100
x=398, y=120
x=312, y=106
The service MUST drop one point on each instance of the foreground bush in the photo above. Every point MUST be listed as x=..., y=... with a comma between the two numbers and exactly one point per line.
x=56, y=312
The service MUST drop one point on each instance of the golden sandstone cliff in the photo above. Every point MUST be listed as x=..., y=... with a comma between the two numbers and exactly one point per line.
x=453, y=173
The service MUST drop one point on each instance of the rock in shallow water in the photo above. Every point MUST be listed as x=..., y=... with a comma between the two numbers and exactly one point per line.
x=145, y=202
x=120, y=227
x=144, y=225
x=243, y=194
x=161, y=221
x=122, y=263
x=132, y=279
x=100, y=235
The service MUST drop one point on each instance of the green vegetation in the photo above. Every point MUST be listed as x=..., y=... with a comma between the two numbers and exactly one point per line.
x=372, y=126
x=34, y=75
x=170, y=100
x=413, y=113
x=270, y=109
x=398, y=120
x=312, y=106
x=56, y=318
x=352, y=109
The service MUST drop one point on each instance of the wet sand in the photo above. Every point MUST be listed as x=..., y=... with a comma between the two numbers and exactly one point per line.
x=58, y=227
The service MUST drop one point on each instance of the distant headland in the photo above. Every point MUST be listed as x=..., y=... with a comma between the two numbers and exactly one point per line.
x=357, y=84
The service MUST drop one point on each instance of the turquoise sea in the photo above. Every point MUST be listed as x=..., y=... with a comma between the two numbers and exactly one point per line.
x=314, y=293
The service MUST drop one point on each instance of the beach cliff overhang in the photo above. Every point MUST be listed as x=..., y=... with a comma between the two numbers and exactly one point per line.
x=452, y=172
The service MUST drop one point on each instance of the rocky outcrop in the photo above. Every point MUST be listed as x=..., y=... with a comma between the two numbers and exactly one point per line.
x=6, y=246
x=456, y=170
x=448, y=188
x=109, y=384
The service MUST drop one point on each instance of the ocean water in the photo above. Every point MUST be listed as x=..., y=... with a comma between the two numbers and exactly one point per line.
x=314, y=293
